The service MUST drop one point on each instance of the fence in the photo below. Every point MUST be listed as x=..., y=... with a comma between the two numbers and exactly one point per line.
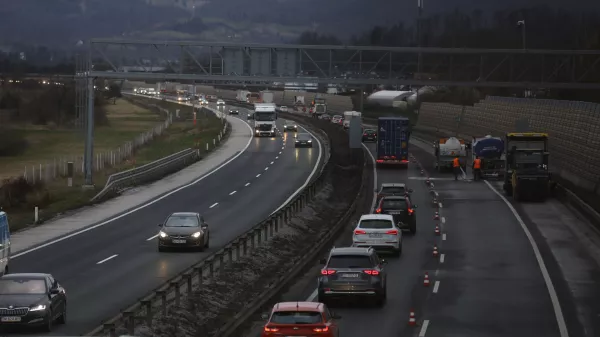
x=57, y=167
x=574, y=129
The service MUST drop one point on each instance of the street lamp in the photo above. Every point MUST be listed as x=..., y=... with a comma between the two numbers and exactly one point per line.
x=523, y=27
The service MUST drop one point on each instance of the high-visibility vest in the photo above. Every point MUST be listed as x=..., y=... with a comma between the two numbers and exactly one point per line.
x=455, y=163
x=477, y=164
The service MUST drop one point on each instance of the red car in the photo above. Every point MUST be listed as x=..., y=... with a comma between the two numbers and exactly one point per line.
x=300, y=319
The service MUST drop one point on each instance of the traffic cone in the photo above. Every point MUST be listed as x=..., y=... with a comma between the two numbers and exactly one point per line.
x=422, y=172
x=412, y=320
x=435, y=251
x=436, y=216
x=434, y=201
x=427, y=181
x=426, y=280
x=437, y=230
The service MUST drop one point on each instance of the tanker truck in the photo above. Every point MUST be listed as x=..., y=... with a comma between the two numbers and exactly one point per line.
x=491, y=152
x=446, y=149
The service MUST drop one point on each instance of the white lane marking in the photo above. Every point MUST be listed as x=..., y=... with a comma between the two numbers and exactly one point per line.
x=443, y=220
x=108, y=258
x=258, y=175
x=424, y=328
x=442, y=258
x=436, y=287
x=312, y=296
x=276, y=157
x=279, y=152
x=283, y=147
x=234, y=192
x=247, y=184
x=440, y=205
x=266, y=168
x=560, y=319
x=151, y=202
x=213, y=205
x=152, y=237
x=272, y=162
x=310, y=176
x=444, y=237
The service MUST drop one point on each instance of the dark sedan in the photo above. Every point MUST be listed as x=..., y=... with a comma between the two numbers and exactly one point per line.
x=32, y=300
x=303, y=140
x=183, y=230
x=369, y=135
x=234, y=112
x=290, y=126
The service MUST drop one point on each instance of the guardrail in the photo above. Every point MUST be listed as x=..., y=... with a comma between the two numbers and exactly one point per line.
x=173, y=290
x=154, y=170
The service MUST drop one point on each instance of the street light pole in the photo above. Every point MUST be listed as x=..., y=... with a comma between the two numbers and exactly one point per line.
x=521, y=24
x=419, y=33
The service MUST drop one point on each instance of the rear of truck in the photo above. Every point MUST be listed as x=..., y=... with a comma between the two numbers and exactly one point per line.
x=393, y=135
x=491, y=152
x=527, y=175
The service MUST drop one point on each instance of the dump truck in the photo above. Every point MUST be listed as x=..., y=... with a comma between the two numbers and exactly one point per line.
x=446, y=149
x=393, y=135
x=526, y=174
x=491, y=152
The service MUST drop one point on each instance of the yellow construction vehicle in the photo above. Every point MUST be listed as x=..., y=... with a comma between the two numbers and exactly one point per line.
x=526, y=169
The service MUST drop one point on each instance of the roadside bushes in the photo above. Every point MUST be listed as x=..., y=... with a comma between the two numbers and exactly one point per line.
x=17, y=193
x=12, y=143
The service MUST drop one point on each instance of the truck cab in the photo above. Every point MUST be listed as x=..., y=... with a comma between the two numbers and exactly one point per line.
x=526, y=166
x=265, y=116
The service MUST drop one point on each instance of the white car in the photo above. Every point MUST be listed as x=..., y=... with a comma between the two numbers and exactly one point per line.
x=283, y=108
x=220, y=102
x=379, y=232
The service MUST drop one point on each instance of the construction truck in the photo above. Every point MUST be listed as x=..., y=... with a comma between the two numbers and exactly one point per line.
x=446, y=149
x=318, y=107
x=526, y=174
x=265, y=116
x=491, y=152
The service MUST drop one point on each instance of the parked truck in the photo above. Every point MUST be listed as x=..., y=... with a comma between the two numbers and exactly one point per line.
x=393, y=135
x=242, y=96
x=526, y=174
x=265, y=116
x=266, y=97
x=491, y=152
x=446, y=149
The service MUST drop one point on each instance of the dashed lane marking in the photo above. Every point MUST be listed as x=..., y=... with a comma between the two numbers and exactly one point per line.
x=234, y=192
x=108, y=258
x=258, y=175
x=266, y=168
x=436, y=287
x=272, y=162
x=214, y=205
x=424, y=328
x=442, y=258
x=443, y=220
x=247, y=184
x=444, y=237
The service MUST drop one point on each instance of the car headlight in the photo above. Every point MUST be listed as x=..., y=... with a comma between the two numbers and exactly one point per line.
x=196, y=235
x=162, y=234
x=310, y=141
x=295, y=126
x=38, y=308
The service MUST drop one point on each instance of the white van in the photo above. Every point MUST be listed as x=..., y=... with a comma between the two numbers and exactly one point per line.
x=4, y=243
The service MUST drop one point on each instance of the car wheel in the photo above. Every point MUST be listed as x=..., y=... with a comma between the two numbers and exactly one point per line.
x=48, y=322
x=63, y=316
x=398, y=252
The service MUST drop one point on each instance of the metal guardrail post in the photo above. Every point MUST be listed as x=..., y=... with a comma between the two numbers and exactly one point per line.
x=163, y=300
x=175, y=285
x=148, y=311
x=229, y=254
x=111, y=329
x=129, y=322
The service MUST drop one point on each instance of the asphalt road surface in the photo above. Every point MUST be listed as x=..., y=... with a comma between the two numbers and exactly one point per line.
x=109, y=268
x=486, y=282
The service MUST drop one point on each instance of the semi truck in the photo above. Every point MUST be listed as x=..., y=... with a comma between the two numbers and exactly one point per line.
x=348, y=115
x=242, y=96
x=491, y=152
x=446, y=149
x=265, y=116
x=319, y=106
x=393, y=135
x=526, y=174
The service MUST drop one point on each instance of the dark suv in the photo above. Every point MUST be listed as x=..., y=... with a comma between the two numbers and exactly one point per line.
x=351, y=272
x=391, y=189
x=401, y=209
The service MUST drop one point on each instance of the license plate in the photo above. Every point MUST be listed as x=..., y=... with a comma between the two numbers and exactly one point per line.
x=374, y=235
x=350, y=275
x=178, y=241
x=395, y=212
x=11, y=319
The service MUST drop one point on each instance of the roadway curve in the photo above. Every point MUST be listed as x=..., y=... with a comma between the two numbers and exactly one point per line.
x=489, y=283
x=232, y=199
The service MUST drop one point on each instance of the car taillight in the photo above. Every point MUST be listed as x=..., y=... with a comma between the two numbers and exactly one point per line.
x=392, y=232
x=410, y=211
x=327, y=272
x=358, y=231
x=270, y=329
x=378, y=210
x=371, y=272
x=321, y=329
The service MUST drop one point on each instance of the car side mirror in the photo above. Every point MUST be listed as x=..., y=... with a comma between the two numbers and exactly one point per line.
x=323, y=261
x=54, y=291
x=264, y=315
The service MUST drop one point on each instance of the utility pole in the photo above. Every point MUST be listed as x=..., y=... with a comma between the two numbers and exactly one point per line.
x=89, y=137
x=419, y=33
x=521, y=24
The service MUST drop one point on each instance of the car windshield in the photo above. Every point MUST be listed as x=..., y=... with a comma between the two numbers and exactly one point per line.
x=393, y=190
x=394, y=204
x=370, y=132
x=303, y=136
x=22, y=286
x=376, y=224
x=182, y=221
x=350, y=261
x=296, y=317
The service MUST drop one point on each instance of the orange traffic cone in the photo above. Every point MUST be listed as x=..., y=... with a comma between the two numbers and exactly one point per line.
x=426, y=279
x=422, y=172
x=427, y=181
x=435, y=251
x=412, y=320
x=437, y=230
x=436, y=216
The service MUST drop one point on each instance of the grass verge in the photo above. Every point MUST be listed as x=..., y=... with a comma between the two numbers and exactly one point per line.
x=55, y=197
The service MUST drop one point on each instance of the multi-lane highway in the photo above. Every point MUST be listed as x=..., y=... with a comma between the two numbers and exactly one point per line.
x=108, y=268
x=486, y=282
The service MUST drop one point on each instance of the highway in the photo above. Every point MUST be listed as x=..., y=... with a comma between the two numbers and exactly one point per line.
x=486, y=282
x=110, y=267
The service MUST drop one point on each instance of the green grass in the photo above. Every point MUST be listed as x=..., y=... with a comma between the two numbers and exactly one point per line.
x=56, y=198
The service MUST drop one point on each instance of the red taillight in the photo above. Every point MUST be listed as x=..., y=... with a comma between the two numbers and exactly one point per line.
x=322, y=329
x=392, y=232
x=378, y=210
x=327, y=272
x=410, y=211
x=364, y=134
x=271, y=329
x=393, y=157
x=358, y=231
x=371, y=272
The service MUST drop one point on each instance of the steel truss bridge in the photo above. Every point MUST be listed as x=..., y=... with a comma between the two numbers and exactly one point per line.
x=353, y=66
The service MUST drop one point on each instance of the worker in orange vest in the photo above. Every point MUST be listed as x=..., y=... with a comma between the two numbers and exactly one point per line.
x=456, y=167
x=476, y=169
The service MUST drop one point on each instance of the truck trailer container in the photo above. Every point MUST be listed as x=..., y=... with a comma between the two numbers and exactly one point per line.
x=393, y=135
